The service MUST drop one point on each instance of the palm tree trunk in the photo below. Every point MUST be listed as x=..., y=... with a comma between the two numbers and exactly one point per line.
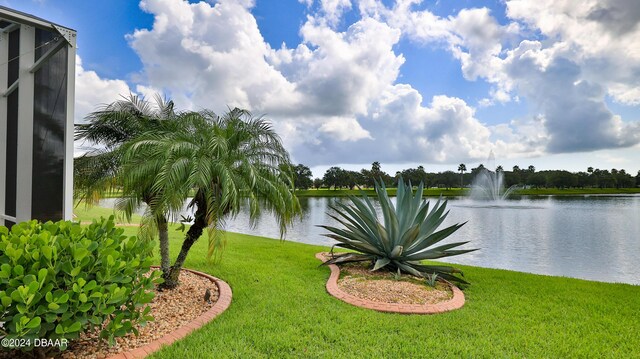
x=163, y=232
x=194, y=232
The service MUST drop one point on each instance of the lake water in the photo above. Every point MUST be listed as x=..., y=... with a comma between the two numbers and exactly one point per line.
x=588, y=237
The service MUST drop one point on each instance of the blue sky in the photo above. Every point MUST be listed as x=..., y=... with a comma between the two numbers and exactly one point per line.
x=406, y=82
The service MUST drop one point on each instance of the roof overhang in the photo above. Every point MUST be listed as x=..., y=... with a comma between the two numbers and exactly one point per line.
x=11, y=16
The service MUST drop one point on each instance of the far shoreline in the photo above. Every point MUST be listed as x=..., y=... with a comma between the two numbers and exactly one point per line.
x=462, y=192
x=451, y=192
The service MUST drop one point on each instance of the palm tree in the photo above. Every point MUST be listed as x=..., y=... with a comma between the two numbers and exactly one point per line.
x=97, y=171
x=227, y=160
x=462, y=168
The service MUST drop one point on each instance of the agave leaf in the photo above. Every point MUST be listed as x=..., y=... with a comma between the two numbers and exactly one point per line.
x=432, y=239
x=445, y=247
x=444, y=272
x=410, y=235
x=417, y=200
x=389, y=215
x=347, y=258
x=352, y=215
x=393, y=232
x=456, y=252
x=358, y=247
x=357, y=222
x=413, y=206
x=402, y=195
x=435, y=268
x=427, y=255
x=390, y=228
x=402, y=239
x=444, y=250
x=434, y=218
x=384, y=238
x=380, y=263
x=369, y=205
x=396, y=252
x=422, y=212
x=451, y=278
x=408, y=269
x=354, y=232
x=355, y=245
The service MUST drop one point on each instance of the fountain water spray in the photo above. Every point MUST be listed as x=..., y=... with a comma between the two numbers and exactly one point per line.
x=489, y=185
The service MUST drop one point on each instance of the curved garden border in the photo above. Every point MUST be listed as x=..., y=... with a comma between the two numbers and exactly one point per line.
x=223, y=302
x=332, y=287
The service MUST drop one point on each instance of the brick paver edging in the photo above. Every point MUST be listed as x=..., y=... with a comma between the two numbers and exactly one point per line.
x=332, y=287
x=223, y=302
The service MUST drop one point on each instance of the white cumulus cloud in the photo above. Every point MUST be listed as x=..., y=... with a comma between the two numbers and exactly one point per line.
x=93, y=91
x=337, y=94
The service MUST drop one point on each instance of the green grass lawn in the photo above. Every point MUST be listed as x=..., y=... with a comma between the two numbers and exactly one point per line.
x=87, y=214
x=280, y=309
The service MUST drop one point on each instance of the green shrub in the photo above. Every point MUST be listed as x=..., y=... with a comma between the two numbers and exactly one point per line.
x=406, y=237
x=58, y=280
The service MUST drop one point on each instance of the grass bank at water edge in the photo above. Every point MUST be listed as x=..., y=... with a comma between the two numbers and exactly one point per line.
x=280, y=309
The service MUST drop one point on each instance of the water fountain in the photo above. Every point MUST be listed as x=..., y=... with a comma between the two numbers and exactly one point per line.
x=489, y=185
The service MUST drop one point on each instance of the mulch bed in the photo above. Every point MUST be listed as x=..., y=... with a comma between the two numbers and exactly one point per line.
x=383, y=287
x=171, y=309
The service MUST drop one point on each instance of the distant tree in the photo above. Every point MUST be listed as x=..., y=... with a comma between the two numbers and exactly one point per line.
x=561, y=179
x=317, y=183
x=446, y=179
x=499, y=169
x=303, y=176
x=462, y=168
x=475, y=171
x=376, y=174
x=605, y=179
x=421, y=176
x=582, y=179
x=531, y=169
x=516, y=168
x=351, y=179
x=367, y=177
x=413, y=175
x=590, y=170
x=332, y=177
x=624, y=180
x=537, y=180
x=638, y=179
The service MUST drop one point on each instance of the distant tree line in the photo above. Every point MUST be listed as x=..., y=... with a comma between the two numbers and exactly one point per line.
x=337, y=178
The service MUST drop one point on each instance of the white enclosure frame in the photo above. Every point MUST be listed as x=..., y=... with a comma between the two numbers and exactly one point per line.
x=27, y=24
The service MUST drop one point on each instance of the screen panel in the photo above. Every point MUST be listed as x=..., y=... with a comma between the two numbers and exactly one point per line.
x=49, y=119
x=12, y=125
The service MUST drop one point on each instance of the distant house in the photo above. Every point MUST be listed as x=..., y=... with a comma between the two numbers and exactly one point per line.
x=37, y=88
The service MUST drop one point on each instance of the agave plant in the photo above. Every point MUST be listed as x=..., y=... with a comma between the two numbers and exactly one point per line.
x=404, y=239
